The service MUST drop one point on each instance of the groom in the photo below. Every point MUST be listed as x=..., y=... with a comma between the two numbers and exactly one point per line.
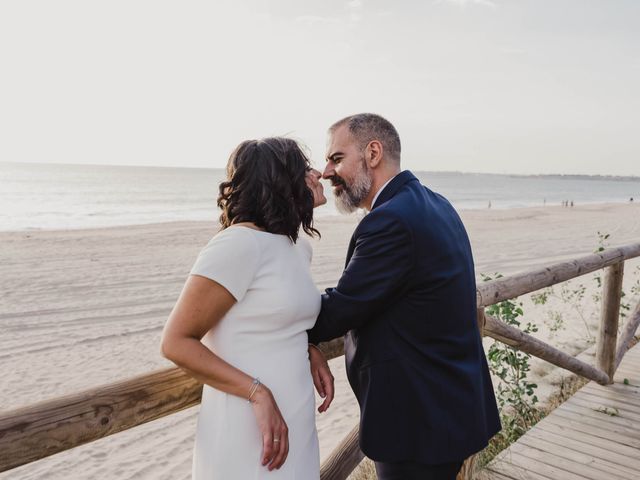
x=407, y=304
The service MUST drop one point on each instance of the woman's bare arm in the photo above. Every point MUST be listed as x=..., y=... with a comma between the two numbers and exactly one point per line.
x=201, y=306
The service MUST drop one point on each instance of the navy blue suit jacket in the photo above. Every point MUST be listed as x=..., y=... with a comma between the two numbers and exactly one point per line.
x=407, y=304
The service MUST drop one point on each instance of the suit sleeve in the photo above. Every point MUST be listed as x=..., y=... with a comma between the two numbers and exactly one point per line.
x=374, y=277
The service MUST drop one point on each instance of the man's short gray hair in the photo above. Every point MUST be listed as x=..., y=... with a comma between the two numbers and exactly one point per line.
x=366, y=127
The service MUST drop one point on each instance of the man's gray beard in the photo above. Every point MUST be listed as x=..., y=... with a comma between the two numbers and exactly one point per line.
x=349, y=200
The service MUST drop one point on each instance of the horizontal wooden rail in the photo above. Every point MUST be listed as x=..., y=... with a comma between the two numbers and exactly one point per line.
x=504, y=333
x=494, y=291
x=37, y=431
x=333, y=349
x=42, y=429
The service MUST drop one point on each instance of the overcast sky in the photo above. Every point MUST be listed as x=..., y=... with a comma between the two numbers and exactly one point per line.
x=472, y=85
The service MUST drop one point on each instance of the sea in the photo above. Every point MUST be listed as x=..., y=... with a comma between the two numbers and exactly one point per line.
x=54, y=196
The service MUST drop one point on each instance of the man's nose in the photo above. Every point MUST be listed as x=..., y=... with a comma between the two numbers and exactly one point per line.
x=328, y=171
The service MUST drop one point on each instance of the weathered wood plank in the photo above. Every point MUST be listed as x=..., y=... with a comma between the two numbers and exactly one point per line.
x=490, y=475
x=594, y=429
x=628, y=370
x=607, y=445
x=513, y=472
x=631, y=377
x=631, y=399
x=578, y=441
x=550, y=458
x=625, y=402
x=541, y=468
x=597, y=427
x=578, y=447
x=598, y=467
x=608, y=408
x=588, y=411
x=617, y=388
x=631, y=374
x=633, y=352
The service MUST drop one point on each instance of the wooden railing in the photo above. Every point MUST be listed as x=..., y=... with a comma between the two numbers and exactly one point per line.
x=37, y=431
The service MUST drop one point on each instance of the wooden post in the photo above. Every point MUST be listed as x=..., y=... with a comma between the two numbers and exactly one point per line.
x=482, y=320
x=608, y=334
x=344, y=458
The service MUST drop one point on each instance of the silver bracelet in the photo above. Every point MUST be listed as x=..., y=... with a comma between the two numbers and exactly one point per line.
x=254, y=387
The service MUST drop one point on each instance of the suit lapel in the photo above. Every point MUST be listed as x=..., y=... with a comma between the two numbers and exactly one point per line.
x=389, y=191
x=394, y=185
x=352, y=246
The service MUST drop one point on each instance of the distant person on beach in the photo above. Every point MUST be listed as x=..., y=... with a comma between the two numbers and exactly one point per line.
x=406, y=303
x=240, y=324
x=631, y=200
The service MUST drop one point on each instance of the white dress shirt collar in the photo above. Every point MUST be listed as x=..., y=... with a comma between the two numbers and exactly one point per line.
x=380, y=191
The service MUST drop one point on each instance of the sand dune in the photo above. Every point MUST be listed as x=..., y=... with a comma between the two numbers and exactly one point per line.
x=86, y=307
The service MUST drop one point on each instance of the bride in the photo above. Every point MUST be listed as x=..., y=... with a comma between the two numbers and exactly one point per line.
x=240, y=323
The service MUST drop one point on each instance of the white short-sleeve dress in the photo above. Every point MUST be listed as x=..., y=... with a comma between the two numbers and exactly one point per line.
x=264, y=335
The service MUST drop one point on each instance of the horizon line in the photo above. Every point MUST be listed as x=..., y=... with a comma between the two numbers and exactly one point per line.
x=457, y=172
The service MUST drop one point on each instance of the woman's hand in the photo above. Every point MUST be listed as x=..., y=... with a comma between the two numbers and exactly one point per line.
x=275, y=433
x=201, y=306
x=322, y=377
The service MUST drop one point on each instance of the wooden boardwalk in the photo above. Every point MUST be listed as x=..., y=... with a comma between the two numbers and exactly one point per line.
x=594, y=435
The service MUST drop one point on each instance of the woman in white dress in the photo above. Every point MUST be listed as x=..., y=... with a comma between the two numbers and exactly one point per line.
x=240, y=323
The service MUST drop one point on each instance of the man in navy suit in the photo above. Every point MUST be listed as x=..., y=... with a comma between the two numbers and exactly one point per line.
x=406, y=302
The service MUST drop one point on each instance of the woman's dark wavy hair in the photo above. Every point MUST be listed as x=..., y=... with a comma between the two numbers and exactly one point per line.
x=266, y=185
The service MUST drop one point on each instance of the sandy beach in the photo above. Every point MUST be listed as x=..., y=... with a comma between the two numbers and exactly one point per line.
x=81, y=308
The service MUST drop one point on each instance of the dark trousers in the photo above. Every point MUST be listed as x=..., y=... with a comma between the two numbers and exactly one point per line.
x=417, y=471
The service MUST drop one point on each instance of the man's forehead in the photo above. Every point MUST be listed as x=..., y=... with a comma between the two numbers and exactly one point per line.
x=338, y=140
x=340, y=132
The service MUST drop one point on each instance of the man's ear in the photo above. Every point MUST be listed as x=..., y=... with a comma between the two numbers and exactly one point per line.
x=374, y=153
